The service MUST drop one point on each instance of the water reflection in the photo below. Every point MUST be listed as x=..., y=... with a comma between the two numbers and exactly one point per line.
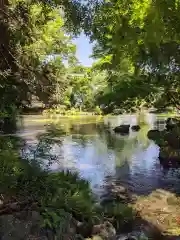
x=100, y=155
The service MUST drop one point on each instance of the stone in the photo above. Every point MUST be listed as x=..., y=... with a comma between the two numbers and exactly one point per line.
x=136, y=128
x=153, y=134
x=105, y=230
x=123, y=129
x=118, y=189
x=84, y=229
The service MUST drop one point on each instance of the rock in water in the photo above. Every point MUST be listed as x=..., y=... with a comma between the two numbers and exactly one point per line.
x=123, y=129
x=135, y=128
x=153, y=134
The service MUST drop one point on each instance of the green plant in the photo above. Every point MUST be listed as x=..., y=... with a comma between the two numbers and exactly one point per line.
x=121, y=213
x=58, y=221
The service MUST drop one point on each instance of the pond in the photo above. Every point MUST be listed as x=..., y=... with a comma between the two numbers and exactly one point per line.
x=99, y=155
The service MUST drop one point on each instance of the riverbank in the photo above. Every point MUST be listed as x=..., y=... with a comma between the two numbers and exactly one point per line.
x=61, y=112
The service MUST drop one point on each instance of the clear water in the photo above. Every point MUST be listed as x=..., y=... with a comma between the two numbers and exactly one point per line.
x=102, y=157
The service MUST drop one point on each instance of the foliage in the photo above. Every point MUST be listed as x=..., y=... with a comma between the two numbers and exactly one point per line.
x=80, y=93
x=84, y=86
x=34, y=48
x=127, y=93
x=140, y=42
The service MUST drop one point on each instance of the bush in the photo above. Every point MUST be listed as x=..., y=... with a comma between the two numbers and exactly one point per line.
x=121, y=213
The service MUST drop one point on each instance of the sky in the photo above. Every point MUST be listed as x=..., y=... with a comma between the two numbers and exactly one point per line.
x=84, y=50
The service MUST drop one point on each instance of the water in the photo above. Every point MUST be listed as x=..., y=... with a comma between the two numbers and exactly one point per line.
x=101, y=156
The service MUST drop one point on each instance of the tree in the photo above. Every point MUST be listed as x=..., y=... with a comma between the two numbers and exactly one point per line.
x=145, y=33
x=32, y=32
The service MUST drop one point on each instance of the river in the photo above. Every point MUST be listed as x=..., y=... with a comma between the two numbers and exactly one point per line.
x=99, y=155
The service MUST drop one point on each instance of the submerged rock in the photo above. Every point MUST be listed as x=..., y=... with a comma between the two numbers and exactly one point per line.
x=123, y=129
x=135, y=128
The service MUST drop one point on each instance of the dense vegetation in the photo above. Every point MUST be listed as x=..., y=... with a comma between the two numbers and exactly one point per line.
x=134, y=67
x=138, y=44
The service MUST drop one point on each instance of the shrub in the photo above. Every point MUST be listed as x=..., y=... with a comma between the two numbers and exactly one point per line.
x=121, y=213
